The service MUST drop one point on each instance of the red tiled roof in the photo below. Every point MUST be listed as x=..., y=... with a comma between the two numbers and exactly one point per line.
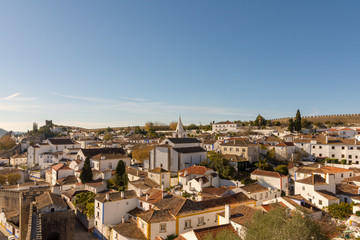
x=285, y=144
x=267, y=173
x=204, y=233
x=199, y=170
x=60, y=166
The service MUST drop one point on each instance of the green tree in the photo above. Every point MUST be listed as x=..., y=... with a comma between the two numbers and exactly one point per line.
x=282, y=169
x=220, y=164
x=291, y=125
x=86, y=173
x=297, y=123
x=342, y=210
x=109, y=129
x=86, y=201
x=2, y=180
x=260, y=121
x=13, y=178
x=6, y=142
x=35, y=127
x=277, y=123
x=108, y=137
x=278, y=224
x=120, y=178
x=192, y=127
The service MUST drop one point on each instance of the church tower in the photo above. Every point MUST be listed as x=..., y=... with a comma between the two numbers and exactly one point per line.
x=179, y=132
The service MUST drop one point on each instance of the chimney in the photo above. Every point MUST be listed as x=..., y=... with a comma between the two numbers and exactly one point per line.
x=123, y=219
x=201, y=182
x=122, y=195
x=147, y=197
x=327, y=139
x=139, y=192
x=137, y=172
x=313, y=178
x=358, y=190
x=199, y=197
x=107, y=197
x=227, y=213
x=185, y=173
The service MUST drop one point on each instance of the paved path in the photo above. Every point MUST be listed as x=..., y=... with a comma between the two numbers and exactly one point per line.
x=81, y=233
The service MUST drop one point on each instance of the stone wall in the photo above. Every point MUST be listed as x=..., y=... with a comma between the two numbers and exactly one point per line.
x=10, y=152
x=345, y=118
x=58, y=225
x=9, y=199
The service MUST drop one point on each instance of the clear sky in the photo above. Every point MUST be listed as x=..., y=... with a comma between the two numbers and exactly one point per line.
x=119, y=63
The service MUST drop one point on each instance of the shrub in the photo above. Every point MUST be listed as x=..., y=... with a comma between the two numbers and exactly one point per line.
x=357, y=213
x=343, y=161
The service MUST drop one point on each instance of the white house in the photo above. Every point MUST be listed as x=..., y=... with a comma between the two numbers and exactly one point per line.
x=103, y=161
x=110, y=209
x=226, y=126
x=175, y=154
x=328, y=147
x=195, y=178
x=273, y=180
x=259, y=193
x=49, y=152
x=59, y=171
x=318, y=190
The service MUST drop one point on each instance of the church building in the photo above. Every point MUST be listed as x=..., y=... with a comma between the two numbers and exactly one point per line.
x=176, y=153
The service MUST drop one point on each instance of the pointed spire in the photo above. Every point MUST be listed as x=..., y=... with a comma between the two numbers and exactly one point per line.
x=179, y=127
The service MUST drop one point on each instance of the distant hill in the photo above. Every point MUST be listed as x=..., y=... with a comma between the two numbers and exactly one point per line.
x=2, y=132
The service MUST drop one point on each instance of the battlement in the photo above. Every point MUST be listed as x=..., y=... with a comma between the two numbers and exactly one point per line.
x=345, y=118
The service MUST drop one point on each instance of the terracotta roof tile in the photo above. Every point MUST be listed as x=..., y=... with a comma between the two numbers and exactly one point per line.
x=240, y=214
x=198, y=170
x=267, y=173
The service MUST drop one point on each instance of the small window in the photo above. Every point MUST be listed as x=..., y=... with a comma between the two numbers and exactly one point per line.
x=320, y=147
x=303, y=188
x=320, y=202
x=342, y=156
x=188, y=224
x=237, y=149
x=201, y=221
x=314, y=147
x=230, y=149
x=342, y=175
x=350, y=156
x=162, y=227
x=266, y=195
x=343, y=148
x=332, y=147
x=332, y=155
x=320, y=155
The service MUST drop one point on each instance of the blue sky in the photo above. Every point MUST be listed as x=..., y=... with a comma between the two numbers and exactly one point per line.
x=119, y=63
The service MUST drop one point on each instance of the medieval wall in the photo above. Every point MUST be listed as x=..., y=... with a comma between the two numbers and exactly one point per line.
x=345, y=118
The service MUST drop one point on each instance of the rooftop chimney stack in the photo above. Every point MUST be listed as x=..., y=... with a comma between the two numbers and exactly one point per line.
x=227, y=214
x=123, y=219
x=147, y=197
x=107, y=197
x=327, y=139
x=122, y=195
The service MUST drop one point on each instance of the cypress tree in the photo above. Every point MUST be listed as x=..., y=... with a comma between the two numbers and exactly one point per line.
x=298, y=121
x=291, y=125
x=120, y=174
x=86, y=173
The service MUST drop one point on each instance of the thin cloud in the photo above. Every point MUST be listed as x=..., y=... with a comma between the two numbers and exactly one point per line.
x=12, y=96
